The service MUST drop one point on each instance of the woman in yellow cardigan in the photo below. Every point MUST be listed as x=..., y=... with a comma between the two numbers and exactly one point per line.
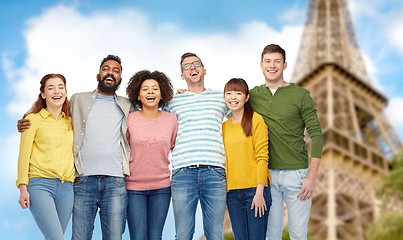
x=46, y=163
x=245, y=138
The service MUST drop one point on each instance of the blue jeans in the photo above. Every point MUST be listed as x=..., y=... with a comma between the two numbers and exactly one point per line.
x=245, y=225
x=51, y=205
x=207, y=185
x=285, y=186
x=147, y=212
x=107, y=193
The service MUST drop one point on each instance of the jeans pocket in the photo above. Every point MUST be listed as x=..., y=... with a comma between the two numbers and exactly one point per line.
x=34, y=180
x=302, y=173
x=79, y=180
x=219, y=171
x=176, y=172
x=120, y=181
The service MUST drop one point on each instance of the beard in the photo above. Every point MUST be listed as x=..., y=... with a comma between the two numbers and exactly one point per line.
x=105, y=88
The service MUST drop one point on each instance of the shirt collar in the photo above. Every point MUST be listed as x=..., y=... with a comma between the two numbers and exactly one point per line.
x=45, y=114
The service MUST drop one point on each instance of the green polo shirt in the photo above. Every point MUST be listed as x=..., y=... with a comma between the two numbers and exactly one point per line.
x=287, y=113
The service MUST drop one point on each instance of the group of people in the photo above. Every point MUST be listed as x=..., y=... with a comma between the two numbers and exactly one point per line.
x=117, y=161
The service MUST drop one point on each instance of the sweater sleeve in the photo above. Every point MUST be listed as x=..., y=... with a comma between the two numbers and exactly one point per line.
x=312, y=124
x=174, y=132
x=261, y=141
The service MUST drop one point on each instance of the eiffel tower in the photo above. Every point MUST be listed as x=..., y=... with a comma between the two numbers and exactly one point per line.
x=359, y=140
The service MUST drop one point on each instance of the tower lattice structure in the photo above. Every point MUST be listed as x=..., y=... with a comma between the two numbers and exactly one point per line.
x=359, y=140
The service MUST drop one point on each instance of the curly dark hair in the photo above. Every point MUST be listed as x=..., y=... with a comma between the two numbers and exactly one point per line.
x=134, y=85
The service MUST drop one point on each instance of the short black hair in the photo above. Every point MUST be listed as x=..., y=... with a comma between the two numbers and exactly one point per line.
x=112, y=57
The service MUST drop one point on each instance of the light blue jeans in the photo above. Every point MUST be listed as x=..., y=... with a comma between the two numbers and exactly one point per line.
x=109, y=195
x=285, y=186
x=207, y=185
x=51, y=205
x=146, y=213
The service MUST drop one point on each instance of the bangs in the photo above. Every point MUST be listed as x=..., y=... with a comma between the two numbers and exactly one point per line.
x=236, y=84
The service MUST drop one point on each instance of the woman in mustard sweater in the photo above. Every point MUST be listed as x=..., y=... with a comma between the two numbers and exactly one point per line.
x=245, y=138
x=46, y=164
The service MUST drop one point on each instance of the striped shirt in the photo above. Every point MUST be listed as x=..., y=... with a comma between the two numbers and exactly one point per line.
x=199, y=138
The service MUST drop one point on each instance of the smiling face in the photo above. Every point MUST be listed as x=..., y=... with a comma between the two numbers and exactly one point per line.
x=54, y=92
x=273, y=66
x=150, y=94
x=194, y=75
x=235, y=100
x=109, y=77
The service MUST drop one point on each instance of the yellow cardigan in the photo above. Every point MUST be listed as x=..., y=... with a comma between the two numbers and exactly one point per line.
x=246, y=157
x=46, y=149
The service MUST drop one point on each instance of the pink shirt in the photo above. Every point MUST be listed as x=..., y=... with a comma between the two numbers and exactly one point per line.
x=150, y=141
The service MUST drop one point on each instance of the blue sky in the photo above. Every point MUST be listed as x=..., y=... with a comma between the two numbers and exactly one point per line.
x=71, y=37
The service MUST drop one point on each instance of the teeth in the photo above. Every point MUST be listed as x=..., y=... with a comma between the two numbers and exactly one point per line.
x=193, y=74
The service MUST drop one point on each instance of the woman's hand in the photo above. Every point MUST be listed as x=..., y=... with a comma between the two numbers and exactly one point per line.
x=24, y=197
x=258, y=201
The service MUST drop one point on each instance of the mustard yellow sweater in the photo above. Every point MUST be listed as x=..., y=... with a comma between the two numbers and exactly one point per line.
x=246, y=157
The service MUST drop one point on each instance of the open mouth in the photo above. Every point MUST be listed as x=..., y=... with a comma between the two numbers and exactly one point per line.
x=194, y=74
x=150, y=98
x=56, y=97
x=110, y=80
x=233, y=103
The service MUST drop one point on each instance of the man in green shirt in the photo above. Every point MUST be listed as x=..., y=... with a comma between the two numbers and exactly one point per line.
x=287, y=110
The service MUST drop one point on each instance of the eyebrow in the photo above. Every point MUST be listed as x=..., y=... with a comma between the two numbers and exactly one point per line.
x=110, y=67
x=51, y=85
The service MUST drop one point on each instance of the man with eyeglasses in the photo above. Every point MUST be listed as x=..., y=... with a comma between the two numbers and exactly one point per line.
x=198, y=159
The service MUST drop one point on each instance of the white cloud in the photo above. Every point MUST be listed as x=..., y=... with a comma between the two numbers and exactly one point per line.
x=65, y=41
x=395, y=32
x=394, y=111
x=395, y=114
x=294, y=14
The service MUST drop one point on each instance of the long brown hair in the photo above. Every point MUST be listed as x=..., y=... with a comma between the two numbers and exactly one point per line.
x=238, y=84
x=41, y=103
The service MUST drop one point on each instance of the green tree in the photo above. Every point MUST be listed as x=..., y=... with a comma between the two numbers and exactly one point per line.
x=388, y=227
x=228, y=236
x=392, y=185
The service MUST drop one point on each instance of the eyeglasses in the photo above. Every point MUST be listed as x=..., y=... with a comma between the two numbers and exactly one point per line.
x=187, y=66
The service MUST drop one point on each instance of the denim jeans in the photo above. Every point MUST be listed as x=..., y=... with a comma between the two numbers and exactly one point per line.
x=207, y=185
x=107, y=193
x=245, y=225
x=51, y=205
x=147, y=212
x=285, y=186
